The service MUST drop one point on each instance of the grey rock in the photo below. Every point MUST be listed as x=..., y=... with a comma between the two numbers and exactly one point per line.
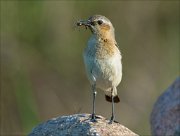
x=165, y=117
x=80, y=125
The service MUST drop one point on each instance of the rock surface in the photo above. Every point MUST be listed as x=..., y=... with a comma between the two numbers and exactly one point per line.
x=80, y=125
x=165, y=117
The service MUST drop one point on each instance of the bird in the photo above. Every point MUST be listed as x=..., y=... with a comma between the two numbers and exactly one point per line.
x=102, y=59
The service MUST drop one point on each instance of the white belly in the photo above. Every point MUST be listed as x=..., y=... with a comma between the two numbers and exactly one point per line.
x=106, y=71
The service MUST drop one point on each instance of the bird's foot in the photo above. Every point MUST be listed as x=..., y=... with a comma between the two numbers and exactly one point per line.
x=93, y=118
x=112, y=120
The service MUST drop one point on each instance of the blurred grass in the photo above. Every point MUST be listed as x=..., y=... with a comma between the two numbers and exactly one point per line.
x=42, y=71
x=26, y=104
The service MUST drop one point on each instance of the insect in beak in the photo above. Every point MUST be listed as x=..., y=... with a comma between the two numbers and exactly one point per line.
x=83, y=23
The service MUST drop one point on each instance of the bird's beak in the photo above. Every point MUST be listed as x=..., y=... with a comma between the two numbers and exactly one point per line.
x=84, y=23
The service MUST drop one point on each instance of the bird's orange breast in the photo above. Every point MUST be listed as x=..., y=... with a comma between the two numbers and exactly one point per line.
x=105, y=48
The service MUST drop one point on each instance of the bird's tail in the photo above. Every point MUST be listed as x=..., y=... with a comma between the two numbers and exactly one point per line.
x=115, y=98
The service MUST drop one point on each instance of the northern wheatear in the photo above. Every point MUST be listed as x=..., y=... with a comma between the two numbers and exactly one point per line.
x=102, y=59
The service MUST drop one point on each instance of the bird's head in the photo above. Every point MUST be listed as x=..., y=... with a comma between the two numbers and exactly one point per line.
x=99, y=25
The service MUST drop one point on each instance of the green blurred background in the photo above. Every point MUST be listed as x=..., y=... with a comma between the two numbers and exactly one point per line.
x=42, y=70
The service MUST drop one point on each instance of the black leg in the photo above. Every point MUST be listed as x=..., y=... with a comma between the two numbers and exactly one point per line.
x=94, y=99
x=113, y=116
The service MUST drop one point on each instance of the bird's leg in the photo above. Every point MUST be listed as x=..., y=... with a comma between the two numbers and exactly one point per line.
x=113, y=116
x=94, y=99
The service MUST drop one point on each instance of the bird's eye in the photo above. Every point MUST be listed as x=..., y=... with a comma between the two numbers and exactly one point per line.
x=99, y=22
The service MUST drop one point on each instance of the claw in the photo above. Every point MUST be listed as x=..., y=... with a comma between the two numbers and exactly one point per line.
x=93, y=118
x=111, y=120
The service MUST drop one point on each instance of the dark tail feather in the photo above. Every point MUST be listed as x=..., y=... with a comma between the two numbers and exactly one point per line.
x=109, y=99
